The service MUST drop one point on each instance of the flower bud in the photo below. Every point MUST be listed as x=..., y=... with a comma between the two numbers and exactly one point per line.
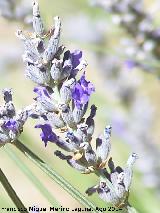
x=76, y=165
x=89, y=154
x=53, y=42
x=66, y=90
x=103, y=145
x=128, y=171
x=81, y=132
x=39, y=76
x=61, y=155
x=72, y=138
x=78, y=113
x=10, y=109
x=67, y=115
x=55, y=120
x=60, y=51
x=106, y=194
x=45, y=99
x=7, y=95
x=29, y=42
x=66, y=145
x=37, y=21
x=56, y=69
x=67, y=65
x=90, y=122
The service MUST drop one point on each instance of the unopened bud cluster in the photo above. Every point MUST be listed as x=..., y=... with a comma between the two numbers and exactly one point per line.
x=61, y=102
x=117, y=191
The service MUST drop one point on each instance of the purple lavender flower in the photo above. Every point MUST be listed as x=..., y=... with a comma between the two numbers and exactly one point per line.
x=41, y=92
x=47, y=134
x=82, y=91
x=71, y=61
x=76, y=58
x=11, y=125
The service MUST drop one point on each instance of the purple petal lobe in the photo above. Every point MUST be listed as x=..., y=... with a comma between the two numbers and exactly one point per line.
x=11, y=125
x=47, y=134
x=76, y=58
x=41, y=92
x=82, y=92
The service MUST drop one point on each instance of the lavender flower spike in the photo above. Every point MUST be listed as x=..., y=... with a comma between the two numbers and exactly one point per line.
x=11, y=122
x=61, y=103
x=112, y=187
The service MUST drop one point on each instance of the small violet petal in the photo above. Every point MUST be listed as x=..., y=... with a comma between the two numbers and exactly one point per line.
x=41, y=92
x=47, y=134
x=82, y=92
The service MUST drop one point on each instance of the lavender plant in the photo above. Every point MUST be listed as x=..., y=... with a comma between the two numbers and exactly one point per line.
x=134, y=107
x=143, y=43
x=12, y=122
x=60, y=107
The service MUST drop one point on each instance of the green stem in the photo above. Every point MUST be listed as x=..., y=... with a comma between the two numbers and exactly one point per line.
x=56, y=177
x=12, y=194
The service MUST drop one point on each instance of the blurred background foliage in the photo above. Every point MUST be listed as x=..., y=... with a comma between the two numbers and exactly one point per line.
x=126, y=99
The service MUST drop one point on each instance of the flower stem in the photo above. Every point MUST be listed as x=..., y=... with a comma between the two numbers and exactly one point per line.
x=12, y=194
x=56, y=177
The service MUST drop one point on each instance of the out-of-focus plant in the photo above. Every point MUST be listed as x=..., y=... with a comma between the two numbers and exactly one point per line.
x=15, y=10
x=140, y=138
x=143, y=42
x=60, y=107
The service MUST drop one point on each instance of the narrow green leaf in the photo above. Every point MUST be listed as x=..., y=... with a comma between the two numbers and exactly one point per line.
x=32, y=177
x=11, y=192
